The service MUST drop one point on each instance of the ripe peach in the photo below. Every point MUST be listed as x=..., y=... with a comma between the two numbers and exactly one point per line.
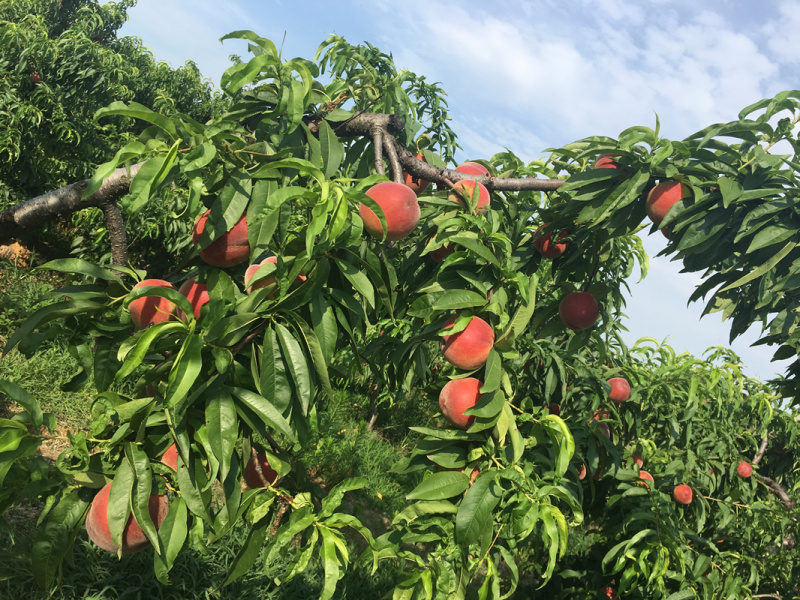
x=638, y=460
x=579, y=311
x=133, y=538
x=254, y=479
x=683, y=494
x=465, y=189
x=469, y=348
x=230, y=249
x=744, y=470
x=151, y=310
x=662, y=197
x=609, y=592
x=645, y=476
x=196, y=293
x=546, y=246
x=399, y=205
x=35, y=77
x=620, y=389
x=606, y=430
x=170, y=457
x=266, y=281
x=606, y=161
x=457, y=396
x=443, y=252
x=554, y=409
x=472, y=168
x=416, y=184
x=581, y=471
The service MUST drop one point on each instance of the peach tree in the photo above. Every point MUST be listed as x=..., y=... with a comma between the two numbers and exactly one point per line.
x=291, y=288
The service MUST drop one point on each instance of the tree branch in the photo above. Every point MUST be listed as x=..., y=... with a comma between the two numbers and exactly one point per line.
x=116, y=231
x=377, y=143
x=761, y=449
x=66, y=200
x=397, y=170
x=778, y=490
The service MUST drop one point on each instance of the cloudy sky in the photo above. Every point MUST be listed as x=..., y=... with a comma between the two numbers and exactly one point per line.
x=529, y=75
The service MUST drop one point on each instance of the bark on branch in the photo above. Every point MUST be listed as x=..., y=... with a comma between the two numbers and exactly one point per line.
x=364, y=124
x=64, y=201
x=761, y=449
x=777, y=489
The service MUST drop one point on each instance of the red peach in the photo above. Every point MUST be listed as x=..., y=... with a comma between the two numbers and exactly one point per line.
x=581, y=471
x=230, y=249
x=546, y=246
x=465, y=189
x=606, y=161
x=457, y=396
x=196, y=293
x=744, y=470
x=472, y=168
x=416, y=184
x=442, y=252
x=554, y=409
x=133, y=538
x=609, y=592
x=254, y=479
x=620, y=389
x=399, y=205
x=266, y=281
x=35, y=77
x=151, y=310
x=170, y=457
x=645, y=476
x=579, y=311
x=470, y=347
x=638, y=460
x=662, y=197
x=683, y=494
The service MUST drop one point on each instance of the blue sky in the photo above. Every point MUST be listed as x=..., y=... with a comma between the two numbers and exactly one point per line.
x=529, y=75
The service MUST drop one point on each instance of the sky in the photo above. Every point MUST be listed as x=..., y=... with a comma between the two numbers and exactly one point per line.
x=531, y=75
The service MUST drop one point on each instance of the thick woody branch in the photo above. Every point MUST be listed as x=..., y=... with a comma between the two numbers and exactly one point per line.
x=778, y=490
x=389, y=144
x=377, y=143
x=61, y=202
x=364, y=124
x=116, y=231
x=761, y=449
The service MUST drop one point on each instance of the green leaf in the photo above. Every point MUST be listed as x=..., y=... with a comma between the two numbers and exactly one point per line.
x=458, y=299
x=223, y=427
x=767, y=266
x=330, y=561
x=358, y=279
x=140, y=495
x=80, y=267
x=265, y=411
x=440, y=486
x=419, y=509
x=47, y=314
x=24, y=399
x=172, y=533
x=475, y=514
x=248, y=553
x=146, y=338
x=184, y=372
x=138, y=111
x=332, y=149
x=275, y=385
x=297, y=366
x=334, y=498
x=55, y=537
